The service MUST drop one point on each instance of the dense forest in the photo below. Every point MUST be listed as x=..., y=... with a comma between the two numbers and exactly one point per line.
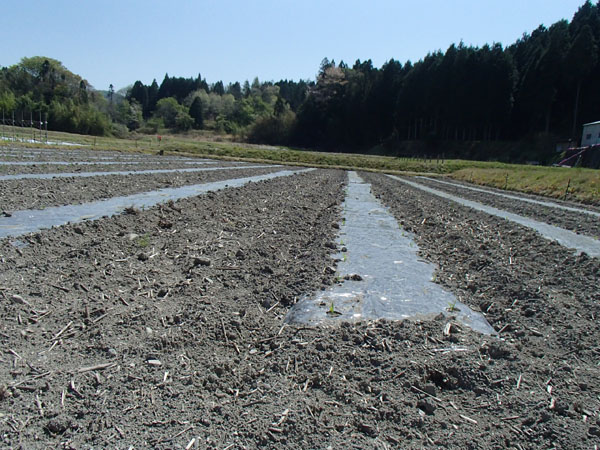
x=43, y=86
x=545, y=84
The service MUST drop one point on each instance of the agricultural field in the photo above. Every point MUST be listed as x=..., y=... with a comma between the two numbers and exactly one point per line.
x=565, y=183
x=152, y=309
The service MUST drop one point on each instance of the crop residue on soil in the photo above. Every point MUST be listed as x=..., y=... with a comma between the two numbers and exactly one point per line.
x=163, y=328
x=567, y=238
x=27, y=221
x=515, y=197
x=46, y=176
x=568, y=215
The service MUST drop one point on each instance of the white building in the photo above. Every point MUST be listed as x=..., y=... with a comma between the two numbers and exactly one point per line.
x=591, y=134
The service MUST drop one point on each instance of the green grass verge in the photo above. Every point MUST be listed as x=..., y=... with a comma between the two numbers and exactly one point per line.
x=583, y=184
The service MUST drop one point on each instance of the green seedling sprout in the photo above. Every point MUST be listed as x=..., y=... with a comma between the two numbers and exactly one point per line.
x=143, y=241
x=452, y=307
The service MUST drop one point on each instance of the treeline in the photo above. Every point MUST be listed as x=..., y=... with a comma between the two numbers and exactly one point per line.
x=545, y=84
x=186, y=103
x=43, y=86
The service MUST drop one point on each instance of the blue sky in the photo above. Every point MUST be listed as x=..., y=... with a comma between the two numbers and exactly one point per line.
x=121, y=41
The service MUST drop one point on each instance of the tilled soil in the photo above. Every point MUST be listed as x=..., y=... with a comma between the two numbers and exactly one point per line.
x=73, y=167
x=191, y=290
x=77, y=153
x=569, y=220
x=38, y=194
x=543, y=386
x=164, y=328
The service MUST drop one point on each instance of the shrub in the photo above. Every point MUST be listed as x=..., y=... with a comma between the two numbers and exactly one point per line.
x=273, y=129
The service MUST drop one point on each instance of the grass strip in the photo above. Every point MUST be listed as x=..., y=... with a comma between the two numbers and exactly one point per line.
x=583, y=184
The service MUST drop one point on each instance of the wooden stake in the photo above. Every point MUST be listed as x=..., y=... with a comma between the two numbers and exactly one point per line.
x=567, y=190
